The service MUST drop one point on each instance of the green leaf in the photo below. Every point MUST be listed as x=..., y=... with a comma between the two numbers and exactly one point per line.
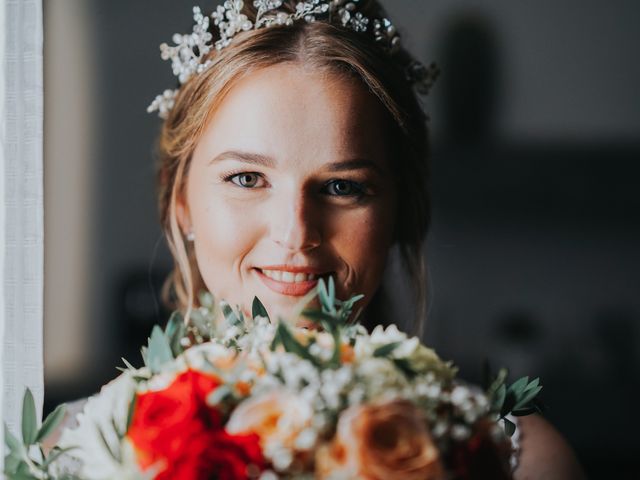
x=509, y=403
x=291, y=345
x=130, y=411
x=23, y=475
x=319, y=316
x=258, y=309
x=335, y=359
x=12, y=442
x=509, y=427
x=230, y=315
x=498, y=398
x=403, y=365
x=331, y=290
x=497, y=382
x=159, y=351
x=127, y=364
x=51, y=423
x=29, y=420
x=114, y=453
x=385, y=350
x=348, y=305
x=522, y=412
x=528, y=396
x=11, y=464
x=55, y=453
x=519, y=385
x=175, y=331
x=144, y=352
x=532, y=384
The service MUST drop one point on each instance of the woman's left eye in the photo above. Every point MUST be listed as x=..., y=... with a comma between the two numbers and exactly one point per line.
x=344, y=188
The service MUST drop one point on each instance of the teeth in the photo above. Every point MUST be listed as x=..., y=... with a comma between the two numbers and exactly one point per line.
x=289, y=277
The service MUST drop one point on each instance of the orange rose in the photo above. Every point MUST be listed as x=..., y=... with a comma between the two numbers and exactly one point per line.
x=276, y=417
x=381, y=442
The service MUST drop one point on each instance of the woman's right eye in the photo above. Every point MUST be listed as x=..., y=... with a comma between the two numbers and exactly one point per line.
x=246, y=179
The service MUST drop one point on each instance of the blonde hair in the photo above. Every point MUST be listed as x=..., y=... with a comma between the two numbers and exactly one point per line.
x=325, y=47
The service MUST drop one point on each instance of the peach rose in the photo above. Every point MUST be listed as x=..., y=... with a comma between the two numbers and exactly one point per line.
x=381, y=442
x=276, y=417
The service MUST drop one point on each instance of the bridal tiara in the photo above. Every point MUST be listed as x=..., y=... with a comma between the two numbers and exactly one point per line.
x=188, y=55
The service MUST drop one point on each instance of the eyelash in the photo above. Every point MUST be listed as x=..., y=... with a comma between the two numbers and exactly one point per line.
x=360, y=189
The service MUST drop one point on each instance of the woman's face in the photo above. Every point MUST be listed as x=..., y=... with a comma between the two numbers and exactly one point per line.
x=291, y=182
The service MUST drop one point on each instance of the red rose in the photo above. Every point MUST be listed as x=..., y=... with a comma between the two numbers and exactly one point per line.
x=217, y=455
x=164, y=420
x=176, y=430
x=480, y=457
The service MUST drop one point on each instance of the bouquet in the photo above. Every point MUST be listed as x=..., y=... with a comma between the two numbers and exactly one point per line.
x=229, y=397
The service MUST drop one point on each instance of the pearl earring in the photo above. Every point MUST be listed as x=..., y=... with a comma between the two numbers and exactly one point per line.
x=191, y=236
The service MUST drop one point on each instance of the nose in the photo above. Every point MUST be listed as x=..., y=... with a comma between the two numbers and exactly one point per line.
x=295, y=223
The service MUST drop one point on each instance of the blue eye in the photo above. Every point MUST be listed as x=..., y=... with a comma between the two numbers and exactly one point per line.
x=245, y=179
x=344, y=188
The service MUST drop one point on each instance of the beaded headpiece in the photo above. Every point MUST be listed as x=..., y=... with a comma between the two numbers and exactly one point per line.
x=189, y=55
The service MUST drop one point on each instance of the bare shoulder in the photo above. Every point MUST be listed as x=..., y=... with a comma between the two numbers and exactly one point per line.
x=544, y=452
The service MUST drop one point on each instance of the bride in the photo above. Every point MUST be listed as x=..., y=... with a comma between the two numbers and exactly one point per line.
x=295, y=150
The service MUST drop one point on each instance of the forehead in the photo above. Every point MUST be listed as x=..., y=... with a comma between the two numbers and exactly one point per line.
x=293, y=113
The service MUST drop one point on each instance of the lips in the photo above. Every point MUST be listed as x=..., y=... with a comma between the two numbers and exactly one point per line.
x=293, y=281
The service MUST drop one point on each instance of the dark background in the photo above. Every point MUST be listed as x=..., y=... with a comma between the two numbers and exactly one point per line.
x=533, y=253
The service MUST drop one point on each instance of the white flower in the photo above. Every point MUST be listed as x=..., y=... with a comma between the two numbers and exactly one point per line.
x=102, y=412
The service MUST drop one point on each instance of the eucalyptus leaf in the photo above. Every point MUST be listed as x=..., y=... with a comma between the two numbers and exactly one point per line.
x=527, y=397
x=144, y=352
x=498, y=382
x=319, y=316
x=291, y=345
x=29, y=420
x=12, y=442
x=519, y=385
x=509, y=402
x=23, y=475
x=159, y=351
x=175, y=331
x=532, y=384
x=51, y=423
x=127, y=364
x=230, y=315
x=522, y=412
x=258, y=309
x=403, y=365
x=498, y=398
x=386, y=350
x=11, y=463
x=331, y=289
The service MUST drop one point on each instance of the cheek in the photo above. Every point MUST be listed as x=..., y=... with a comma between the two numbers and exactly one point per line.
x=363, y=241
x=226, y=232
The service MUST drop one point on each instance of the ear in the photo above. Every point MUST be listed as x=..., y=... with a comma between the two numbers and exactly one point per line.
x=182, y=214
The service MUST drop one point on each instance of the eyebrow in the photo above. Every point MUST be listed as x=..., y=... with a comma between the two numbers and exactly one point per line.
x=246, y=157
x=267, y=161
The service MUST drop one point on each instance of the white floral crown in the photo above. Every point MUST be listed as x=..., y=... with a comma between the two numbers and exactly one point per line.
x=190, y=50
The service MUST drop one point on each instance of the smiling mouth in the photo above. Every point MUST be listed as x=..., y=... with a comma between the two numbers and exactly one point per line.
x=290, y=283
